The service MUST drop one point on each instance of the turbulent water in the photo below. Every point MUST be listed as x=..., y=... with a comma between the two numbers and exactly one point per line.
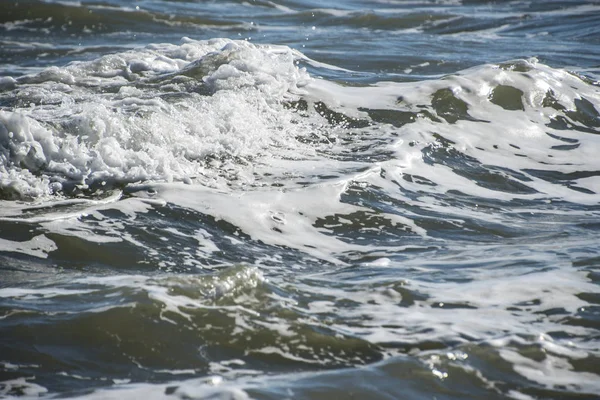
x=300, y=199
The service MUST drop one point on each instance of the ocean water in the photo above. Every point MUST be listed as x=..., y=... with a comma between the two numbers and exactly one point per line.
x=299, y=199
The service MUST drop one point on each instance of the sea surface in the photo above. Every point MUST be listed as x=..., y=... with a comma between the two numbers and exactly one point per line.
x=300, y=199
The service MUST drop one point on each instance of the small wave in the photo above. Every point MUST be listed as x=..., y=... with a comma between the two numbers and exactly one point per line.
x=134, y=116
x=162, y=113
x=81, y=18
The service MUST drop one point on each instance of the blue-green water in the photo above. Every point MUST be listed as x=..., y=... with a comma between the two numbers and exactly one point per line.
x=300, y=199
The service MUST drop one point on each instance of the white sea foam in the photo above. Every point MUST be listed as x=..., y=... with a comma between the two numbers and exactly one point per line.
x=86, y=135
x=28, y=294
x=23, y=387
x=551, y=372
x=39, y=246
